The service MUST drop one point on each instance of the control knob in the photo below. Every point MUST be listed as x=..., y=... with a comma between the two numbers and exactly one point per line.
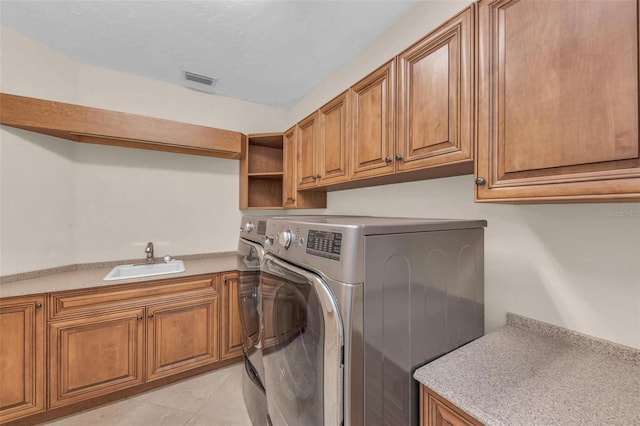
x=248, y=227
x=285, y=238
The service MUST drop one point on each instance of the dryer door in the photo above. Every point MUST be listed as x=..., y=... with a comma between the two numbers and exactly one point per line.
x=249, y=257
x=249, y=262
x=302, y=348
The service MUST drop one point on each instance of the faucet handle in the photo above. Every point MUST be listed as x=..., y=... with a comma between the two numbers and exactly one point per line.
x=167, y=259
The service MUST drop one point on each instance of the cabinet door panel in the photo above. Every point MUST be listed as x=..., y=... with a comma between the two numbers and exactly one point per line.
x=429, y=100
x=92, y=356
x=307, y=139
x=441, y=415
x=231, y=327
x=437, y=411
x=22, y=377
x=181, y=336
x=334, y=140
x=289, y=168
x=580, y=100
x=373, y=105
x=558, y=100
x=435, y=108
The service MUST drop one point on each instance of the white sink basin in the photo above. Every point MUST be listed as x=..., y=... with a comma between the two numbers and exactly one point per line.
x=121, y=272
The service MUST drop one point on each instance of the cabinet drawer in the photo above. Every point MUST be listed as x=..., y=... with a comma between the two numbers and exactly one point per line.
x=75, y=303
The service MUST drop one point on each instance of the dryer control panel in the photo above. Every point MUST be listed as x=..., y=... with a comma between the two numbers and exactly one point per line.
x=324, y=244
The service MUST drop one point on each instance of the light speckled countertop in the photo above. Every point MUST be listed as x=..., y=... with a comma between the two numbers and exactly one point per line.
x=528, y=374
x=85, y=276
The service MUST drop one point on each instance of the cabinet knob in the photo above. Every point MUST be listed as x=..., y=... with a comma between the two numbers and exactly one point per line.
x=225, y=281
x=140, y=318
x=150, y=316
x=38, y=305
x=318, y=176
x=387, y=160
x=480, y=181
x=398, y=157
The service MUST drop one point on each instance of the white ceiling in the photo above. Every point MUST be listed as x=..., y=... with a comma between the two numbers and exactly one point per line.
x=269, y=52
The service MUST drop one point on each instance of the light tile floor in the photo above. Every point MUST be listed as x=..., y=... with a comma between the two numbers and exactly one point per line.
x=212, y=399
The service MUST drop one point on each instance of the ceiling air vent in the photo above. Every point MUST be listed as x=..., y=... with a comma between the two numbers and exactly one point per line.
x=199, y=81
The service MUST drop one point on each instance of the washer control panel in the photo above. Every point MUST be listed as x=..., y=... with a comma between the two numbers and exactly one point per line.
x=324, y=244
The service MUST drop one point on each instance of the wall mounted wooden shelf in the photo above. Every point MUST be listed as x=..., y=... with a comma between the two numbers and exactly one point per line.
x=261, y=172
x=266, y=182
x=92, y=125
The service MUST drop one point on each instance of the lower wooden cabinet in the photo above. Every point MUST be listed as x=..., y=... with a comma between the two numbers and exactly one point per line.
x=107, y=339
x=230, y=326
x=92, y=356
x=181, y=335
x=22, y=362
x=110, y=339
x=437, y=411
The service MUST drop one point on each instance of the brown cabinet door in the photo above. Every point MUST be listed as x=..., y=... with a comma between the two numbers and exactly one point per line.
x=231, y=337
x=557, y=100
x=435, y=105
x=96, y=355
x=373, y=110
x=22, y=346
x=181, y=335
x=289, y=168
x=437, y=411
x=333, y=119
x=307, y=139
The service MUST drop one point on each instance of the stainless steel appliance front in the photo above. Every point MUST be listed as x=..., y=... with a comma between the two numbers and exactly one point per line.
x=250, y=255
x=406, y=290
x=303, y=347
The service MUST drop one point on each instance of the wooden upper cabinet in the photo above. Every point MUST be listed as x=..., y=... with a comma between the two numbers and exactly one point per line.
x=306, y=145
x=290, y=170
x=291, y=197
x=333, y=141
x=22, y=357
x=261, y=171
x=93, y=125
x=373, y=113
x=557, y=101
x=435, y=97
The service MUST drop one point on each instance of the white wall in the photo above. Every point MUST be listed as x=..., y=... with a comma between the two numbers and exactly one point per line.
x=63, y=202
x=125, y=198
x=37, y=207
x=573, y=265
x=37, y=172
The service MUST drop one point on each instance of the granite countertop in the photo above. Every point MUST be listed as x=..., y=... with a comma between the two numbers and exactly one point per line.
x=84, y=276
x=533, y=373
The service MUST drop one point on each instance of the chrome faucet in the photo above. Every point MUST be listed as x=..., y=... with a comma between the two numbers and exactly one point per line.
x=149, y=251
